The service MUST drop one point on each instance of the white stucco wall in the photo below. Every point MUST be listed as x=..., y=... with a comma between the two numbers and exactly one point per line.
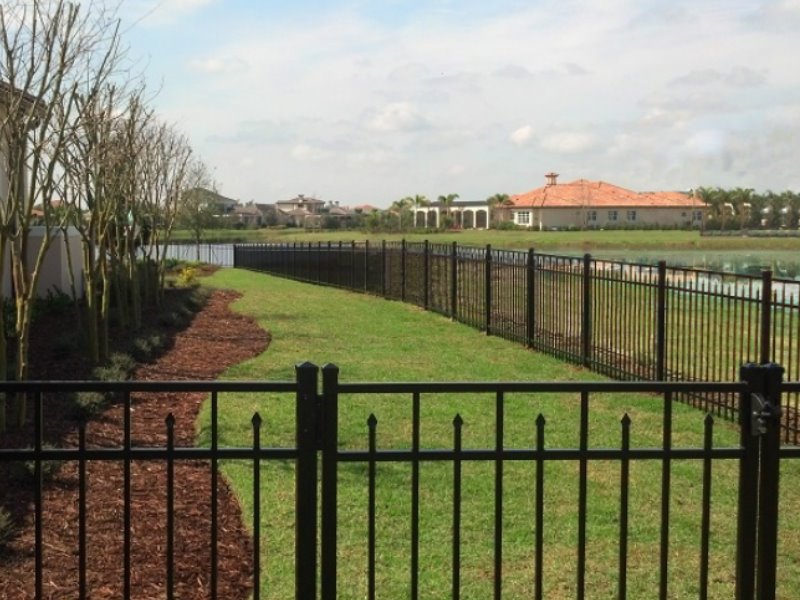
x=55, y=268
x=563, y=218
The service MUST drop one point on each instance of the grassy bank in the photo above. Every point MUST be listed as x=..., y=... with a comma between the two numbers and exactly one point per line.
x=372, y=339
x=584, y=241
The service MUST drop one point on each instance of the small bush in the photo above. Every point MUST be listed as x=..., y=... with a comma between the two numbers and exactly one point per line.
x=507, y=226
x=24, y=471
x=88, y=404
x=188, y=276
x=6, y=527
x=118, y=368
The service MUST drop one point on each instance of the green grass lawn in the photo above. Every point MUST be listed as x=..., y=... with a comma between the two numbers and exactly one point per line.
x=372, y=339
x=584, y=241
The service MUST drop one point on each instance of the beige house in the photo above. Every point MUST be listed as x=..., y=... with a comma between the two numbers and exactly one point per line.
x=584, y=204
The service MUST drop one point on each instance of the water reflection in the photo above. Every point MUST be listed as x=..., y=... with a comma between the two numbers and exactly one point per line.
x=784, y=264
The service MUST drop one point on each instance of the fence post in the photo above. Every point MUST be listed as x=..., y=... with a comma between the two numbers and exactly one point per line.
x=661, y=322
x=383, y=268
x=366, y=265
x=454, y=281
x=294, y=260
x=403, y=270
x=319, y=262
x=426, y=274
x=748, y=485
x=235, y=256
x=487, y=304
x=766, y=315
x=338, y=266
x=769, y=418
x=352, y=264
x=530, y=305
x=330, y=447
x=306, y=482
x=586, y=321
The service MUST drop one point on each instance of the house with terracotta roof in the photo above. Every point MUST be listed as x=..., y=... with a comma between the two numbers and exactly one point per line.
x=583, y=204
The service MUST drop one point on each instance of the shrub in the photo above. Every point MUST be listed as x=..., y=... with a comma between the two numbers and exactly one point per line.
x=118, y=368
x=89, y=403
x=187, y=276
x=6, y=527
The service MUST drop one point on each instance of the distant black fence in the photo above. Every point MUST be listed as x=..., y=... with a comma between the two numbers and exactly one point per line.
x=628, y=321
x=321, y=458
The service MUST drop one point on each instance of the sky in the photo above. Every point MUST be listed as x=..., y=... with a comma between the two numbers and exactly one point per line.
x=367, y=102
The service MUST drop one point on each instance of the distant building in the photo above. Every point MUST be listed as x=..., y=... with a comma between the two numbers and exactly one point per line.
x=464, y=214
x=221, y=206
x=584, y=204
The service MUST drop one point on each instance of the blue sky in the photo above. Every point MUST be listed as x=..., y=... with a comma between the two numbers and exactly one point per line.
x=367, y=102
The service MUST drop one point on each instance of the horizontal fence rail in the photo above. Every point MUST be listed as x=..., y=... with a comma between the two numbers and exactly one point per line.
x=627, y=321
x=496, y=462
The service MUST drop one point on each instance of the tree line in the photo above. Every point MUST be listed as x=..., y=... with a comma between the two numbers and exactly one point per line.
x=743, y=208
x=84, y=154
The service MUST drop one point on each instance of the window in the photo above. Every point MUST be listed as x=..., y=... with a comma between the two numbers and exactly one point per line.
x=524, y=217
x=612, y=215
x=697, y=215
x=592, y=215
x=631, y=215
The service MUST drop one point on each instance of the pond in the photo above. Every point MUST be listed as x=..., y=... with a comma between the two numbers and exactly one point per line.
x=785, y=264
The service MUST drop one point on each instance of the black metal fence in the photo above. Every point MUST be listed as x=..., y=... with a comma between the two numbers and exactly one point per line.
x=627, y=321
x=320, y=509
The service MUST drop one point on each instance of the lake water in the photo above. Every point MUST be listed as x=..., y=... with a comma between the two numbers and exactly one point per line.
x=785, y=264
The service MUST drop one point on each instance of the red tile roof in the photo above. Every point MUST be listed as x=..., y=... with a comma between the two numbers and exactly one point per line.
x=601, y=194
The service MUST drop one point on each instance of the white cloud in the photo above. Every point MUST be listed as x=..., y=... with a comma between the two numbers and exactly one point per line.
x=216, y=64
x=162, y=12
x=706, y=142
x=522, y=135
x=568, y=142
x=308, y=153
x=456, y=169
x=397, y=116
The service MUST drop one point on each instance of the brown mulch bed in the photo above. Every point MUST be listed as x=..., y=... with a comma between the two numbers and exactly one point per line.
x=215, y=340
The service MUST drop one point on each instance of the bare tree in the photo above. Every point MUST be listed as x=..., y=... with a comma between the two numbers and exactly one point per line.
x=166, y=174
x=51, y=53
x=196, y=211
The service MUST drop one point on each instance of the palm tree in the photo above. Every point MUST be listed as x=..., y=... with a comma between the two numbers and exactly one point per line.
x=399, y=207
x=742, y=200
x=495, y=201
x=447, y=202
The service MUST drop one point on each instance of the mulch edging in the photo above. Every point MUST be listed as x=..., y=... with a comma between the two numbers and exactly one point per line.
x=215, y=340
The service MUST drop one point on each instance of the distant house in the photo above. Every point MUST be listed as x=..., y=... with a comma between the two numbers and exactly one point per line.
x=365, y=209
x=300, y=211
x=465, y=214
x=248, y=215
x=584, y=204
x=311, y=205
x=220, y=205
